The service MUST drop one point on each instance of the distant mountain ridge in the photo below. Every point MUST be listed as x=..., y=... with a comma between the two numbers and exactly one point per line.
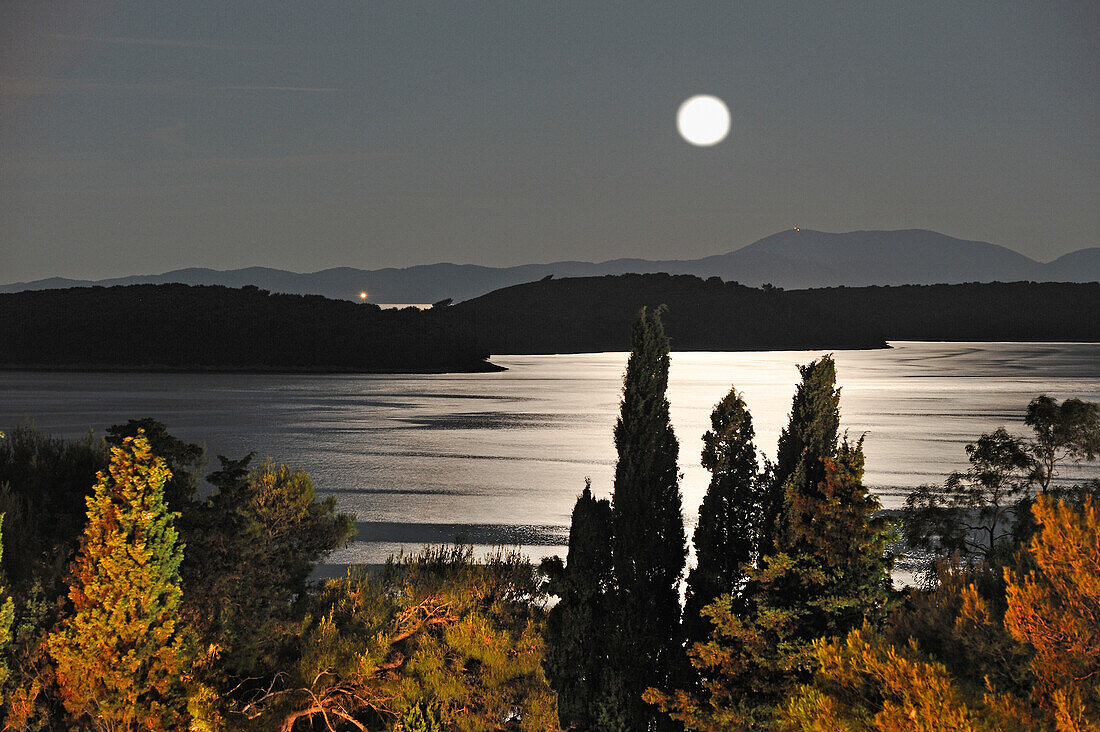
x=793, y=259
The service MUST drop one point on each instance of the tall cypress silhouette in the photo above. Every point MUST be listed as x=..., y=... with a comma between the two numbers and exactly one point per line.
x=729, y=517
x=648, y=544
x=828, y=573
x=838, y=545
x=577, y=627
x=809, y=437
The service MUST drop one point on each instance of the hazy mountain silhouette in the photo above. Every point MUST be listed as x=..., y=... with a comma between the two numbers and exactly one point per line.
x=1082, y=263
x=791, y=259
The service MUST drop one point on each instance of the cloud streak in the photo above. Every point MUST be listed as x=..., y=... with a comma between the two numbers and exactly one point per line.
x=276, y=162
x=29, y=85
x=306, y=89
x=156, y=42
x=95, y=174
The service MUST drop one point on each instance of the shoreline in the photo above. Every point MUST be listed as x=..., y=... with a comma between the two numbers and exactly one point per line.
x=485, y=367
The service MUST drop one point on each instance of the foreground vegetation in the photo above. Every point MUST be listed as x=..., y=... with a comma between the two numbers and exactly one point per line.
x=133, y=597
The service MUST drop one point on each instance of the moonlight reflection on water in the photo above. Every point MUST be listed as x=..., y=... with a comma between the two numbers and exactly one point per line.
x=501, y=457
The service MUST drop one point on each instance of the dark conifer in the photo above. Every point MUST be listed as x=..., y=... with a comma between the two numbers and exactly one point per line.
x=810, y=436
x=826, y=528
x=729, y=517
x=838, y=579
x=648, y=544
x=255, y=543
x=838, y=547
x=577, y=627
x=184, y=460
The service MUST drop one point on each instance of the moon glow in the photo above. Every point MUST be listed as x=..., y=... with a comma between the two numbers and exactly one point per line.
x=703, y=120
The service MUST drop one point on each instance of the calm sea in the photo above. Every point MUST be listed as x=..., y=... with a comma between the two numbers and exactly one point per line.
x=500, y=458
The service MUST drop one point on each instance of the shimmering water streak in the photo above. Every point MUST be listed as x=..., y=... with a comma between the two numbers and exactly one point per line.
x=501, y=457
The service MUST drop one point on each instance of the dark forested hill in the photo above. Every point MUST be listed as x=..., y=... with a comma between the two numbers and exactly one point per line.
x=593, y=314
x=218, y=328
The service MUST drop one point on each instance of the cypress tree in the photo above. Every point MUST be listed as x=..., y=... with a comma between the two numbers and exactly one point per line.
x=648, y=544
x=577, y=627
x=729, y=517
x=828, y=572
x=837, y=544
x=120, y=656
x=809, y=437
x=828, y=566
x=837, y=580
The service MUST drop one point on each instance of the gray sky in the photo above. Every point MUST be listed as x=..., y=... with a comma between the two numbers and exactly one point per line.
x=137, y=137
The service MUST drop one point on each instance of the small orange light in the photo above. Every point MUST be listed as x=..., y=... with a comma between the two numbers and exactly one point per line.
x=362, y=296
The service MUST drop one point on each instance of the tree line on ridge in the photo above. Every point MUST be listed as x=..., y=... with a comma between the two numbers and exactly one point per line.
x=176, y=327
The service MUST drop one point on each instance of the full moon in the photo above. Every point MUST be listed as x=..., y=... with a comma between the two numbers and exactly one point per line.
x=703, y=120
